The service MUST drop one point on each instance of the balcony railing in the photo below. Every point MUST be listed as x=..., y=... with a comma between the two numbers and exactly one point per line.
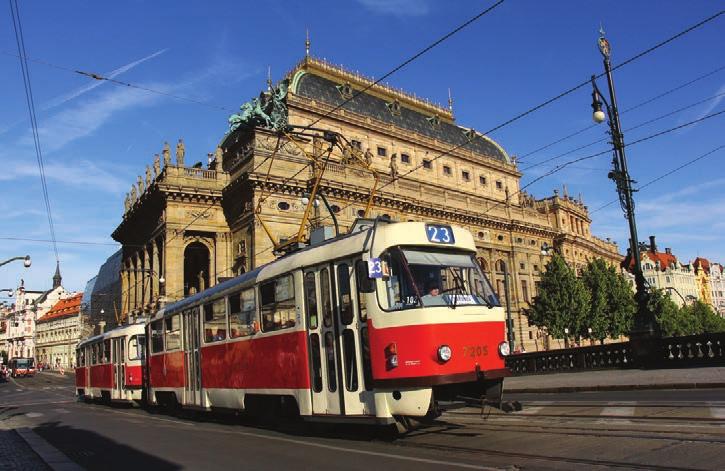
x=671, y=352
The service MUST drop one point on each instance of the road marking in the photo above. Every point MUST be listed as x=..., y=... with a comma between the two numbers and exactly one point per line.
x=62, y=411
x=531, y=410
x=32, y=415
x=25, y=404
x=618, y=411
x=18, y=389
x=363, y=452
x=717, y=412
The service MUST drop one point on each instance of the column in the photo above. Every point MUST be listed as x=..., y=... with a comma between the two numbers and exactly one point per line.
x=156, y=270
x=173, y=255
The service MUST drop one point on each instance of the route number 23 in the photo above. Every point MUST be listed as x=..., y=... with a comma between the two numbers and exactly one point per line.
x=439, y=234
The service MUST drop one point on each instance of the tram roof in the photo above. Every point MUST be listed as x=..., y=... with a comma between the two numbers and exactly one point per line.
x=108, y=333
x=332, y=249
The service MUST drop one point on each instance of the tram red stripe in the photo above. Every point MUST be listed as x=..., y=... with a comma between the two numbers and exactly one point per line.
x=275, y=362
x=102, y=376
x=134, y=375
x=417, y=348
x=167, y=370
x=81, y=377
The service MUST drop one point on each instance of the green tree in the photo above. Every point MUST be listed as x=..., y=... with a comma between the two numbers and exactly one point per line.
x=670, y=317
x=612, y=300
x=562, y=300
x=701, y=318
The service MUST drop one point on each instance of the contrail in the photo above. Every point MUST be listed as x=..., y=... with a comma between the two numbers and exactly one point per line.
x=76, y=93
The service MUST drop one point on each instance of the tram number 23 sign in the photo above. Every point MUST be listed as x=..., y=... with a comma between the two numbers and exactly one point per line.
x=439, y=234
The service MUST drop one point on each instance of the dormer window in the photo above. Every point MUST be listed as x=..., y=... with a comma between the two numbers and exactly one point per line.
x=434, y=121
x=405, y=158
x=345, y=90
x=394, y=107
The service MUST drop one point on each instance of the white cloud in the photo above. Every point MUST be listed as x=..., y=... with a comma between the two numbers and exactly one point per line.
x=398, y=7
x=66, y=97
x=68, y=173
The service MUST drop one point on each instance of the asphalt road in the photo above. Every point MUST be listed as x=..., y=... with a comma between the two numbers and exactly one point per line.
x=683, y=429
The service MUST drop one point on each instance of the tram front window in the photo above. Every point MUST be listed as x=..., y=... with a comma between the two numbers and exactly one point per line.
x=417, y=278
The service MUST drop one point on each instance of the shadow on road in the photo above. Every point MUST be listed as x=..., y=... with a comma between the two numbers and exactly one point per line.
x=94, y=451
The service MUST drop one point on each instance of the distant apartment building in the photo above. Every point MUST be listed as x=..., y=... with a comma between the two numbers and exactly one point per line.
x=662, y=270
x=711, y=283
x=58, y=332
x=29, y=306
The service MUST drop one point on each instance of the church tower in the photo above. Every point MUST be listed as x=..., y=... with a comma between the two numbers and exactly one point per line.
x=57, y=279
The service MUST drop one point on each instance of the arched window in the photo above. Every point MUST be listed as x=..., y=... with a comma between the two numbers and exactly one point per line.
x=483, y=264
x=500, y=265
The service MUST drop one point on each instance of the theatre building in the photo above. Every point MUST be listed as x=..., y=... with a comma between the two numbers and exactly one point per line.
x=190, y=227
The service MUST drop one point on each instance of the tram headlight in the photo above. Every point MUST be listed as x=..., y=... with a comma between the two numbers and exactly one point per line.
x=391, y=356
x=504, y=349
x=444, y=353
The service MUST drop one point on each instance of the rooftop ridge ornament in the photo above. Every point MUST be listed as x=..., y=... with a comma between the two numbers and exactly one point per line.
x=307, y=42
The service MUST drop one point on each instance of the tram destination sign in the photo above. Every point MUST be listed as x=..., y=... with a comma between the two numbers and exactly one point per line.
x=439, y=234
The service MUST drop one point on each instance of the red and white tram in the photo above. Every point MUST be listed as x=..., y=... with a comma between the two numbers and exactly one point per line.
x=110, y=365
x=375, y=325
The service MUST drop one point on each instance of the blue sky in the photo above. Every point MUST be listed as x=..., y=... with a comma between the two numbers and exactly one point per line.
x=97, y=136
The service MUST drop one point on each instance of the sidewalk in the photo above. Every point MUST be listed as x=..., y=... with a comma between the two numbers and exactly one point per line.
x=15, y=454
x=612, y=380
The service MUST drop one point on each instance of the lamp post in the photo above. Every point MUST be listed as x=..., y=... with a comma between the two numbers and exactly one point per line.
x=26, y=261
x=10, y=291
x=645, y=329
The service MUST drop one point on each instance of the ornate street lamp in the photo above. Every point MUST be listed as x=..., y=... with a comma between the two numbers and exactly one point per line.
x=645, y=329
x=26, y=261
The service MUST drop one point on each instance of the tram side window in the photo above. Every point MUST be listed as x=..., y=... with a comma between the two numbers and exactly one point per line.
x=94, y=354
x=362, y=305
x=136, y=347
x=173, y=332
x=215, y=321
x=242, y=314
x=106, y=351
x=81, y=357
x=311, y=301
x=157, y=336
x=277, y=302
x=343, y=281
x=325, y=297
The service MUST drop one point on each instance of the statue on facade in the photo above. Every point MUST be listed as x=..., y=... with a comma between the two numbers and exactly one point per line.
x=127, y=202
x=157, y=165
x=167, y=154
x=394, y=166
x=346, y=155
x=200, y=278
x=148, y=176
x=134, y=196
x=368, y=156
x=180, y=153
x=219, y=157
x=139, y=182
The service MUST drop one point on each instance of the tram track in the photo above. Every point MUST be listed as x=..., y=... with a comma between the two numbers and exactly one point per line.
x=541, y=457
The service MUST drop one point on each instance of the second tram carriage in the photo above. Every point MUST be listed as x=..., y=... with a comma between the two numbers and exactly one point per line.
x=375, y=325
x=110, y=365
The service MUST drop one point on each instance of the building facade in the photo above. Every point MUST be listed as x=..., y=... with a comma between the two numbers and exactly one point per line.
x=29, y=307
x=662, y=270
x=58, y=332
x=717, y=287
x=191, y=227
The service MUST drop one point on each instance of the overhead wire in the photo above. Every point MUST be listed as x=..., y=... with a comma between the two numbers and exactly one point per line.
x=20, y=42
x=639, y=105
x=644, y=123
x=618, y=66
x=664, y=175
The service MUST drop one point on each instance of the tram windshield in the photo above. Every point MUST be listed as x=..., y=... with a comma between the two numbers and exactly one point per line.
x=25, y=363
x=417, y=278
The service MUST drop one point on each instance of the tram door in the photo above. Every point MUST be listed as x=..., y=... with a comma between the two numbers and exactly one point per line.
x=348, y=324
x=119, y=366
x=192, y=357
x=322, y=342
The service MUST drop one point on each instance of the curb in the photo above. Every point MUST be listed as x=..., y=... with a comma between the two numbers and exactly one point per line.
x=615, y=387
x=53, y=457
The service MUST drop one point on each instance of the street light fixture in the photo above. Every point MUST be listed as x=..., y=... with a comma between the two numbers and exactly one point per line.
x=645, y=328
x=10, y=291
x=26, y=261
